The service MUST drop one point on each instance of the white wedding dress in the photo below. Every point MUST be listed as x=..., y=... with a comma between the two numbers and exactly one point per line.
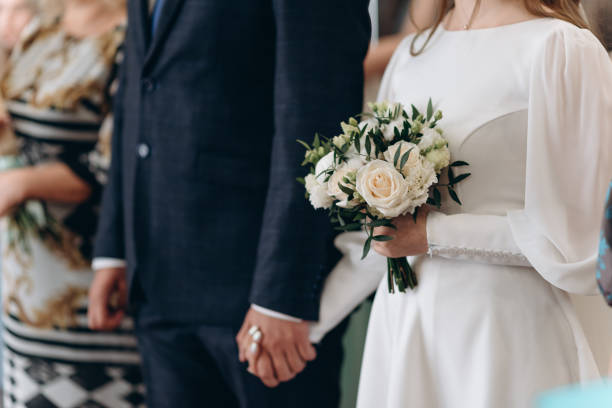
x=529, y=106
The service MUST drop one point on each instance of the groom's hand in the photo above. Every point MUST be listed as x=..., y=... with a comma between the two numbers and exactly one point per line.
x=283, y=351
x=107, y=299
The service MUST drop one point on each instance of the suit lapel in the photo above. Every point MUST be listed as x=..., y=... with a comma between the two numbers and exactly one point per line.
x=168, y=14
x=138, y=14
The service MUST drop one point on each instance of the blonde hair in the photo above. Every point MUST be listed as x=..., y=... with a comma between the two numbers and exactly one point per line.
x=567, y=10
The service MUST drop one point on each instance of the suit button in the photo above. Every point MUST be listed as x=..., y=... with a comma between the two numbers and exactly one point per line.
x=148, y=85
x=143, y=151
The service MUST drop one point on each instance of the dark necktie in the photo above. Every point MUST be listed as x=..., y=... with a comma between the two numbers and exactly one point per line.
x=155, y=16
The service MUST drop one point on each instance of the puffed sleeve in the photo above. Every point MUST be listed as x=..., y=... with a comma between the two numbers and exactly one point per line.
x=569, y=159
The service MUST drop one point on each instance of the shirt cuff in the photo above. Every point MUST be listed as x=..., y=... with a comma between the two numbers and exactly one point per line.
x=107, y=263
x=276, y=315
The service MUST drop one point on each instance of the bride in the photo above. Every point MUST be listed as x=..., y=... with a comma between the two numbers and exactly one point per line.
x=526, y=90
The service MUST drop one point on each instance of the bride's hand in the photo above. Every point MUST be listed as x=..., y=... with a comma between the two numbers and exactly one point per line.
x=409, y=239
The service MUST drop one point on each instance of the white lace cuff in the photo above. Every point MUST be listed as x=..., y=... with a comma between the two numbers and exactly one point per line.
x=472, y=237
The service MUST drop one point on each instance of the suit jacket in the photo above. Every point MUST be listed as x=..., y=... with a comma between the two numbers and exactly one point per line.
x=202, y=199
x=604, y=273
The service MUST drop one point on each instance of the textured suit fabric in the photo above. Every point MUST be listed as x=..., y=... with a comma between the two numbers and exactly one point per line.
x=196, y=366
x=202, y=200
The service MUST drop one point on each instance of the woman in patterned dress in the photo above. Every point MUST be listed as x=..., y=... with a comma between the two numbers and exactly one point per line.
x=57, y=93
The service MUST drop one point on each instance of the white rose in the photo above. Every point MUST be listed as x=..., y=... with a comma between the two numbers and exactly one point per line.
x=414, y=158
x=347, y=170
x=319, y=198
x=323, y=166
x=384, y=188
x=439, y=158
x=388, y=130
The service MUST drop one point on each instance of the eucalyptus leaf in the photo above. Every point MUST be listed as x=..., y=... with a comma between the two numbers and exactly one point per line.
x=396, y=157
x=366, y=247
x=429, y=110
x=415, y=112
x=437, y=197
x=451, y=175
x=454, y=195
x=405, y=158
x=304, y=144
x=459, y=163
x=382, y=238
x=381, y=223
x=346, y=190
x=461, y=177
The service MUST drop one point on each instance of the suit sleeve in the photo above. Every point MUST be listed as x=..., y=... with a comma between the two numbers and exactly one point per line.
x=320, y=47
x=109, y=240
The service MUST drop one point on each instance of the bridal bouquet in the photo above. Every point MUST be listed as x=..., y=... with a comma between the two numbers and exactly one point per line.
x=381, y=168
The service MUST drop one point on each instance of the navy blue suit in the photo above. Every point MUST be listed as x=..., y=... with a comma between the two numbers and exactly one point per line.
x=202, y=199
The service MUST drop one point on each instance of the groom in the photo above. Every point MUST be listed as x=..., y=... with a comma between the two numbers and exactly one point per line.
x=203, y=224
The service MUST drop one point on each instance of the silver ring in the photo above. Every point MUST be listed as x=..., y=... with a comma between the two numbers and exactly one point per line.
x=256, y=336
x=253, y=330
x=253, y=347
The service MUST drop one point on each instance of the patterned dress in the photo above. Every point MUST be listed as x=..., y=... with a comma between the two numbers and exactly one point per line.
x=604, y=266
x=57, y=93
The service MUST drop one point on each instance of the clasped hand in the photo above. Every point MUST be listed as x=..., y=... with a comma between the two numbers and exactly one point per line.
x=282, y=351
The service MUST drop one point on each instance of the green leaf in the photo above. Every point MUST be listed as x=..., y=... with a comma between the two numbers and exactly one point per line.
x=461, y=177
x=405, y=158
x=381, y=223
x=451, y=175
x=396, y=133
x=437, y=197
x=317, y=142
x=415, y=112
x=357, y=143
x=366, y=248
x=304, y=144
x=429, y=110
x=396, y=157
x=459, y=163
x=382, y=238
x=346, y=190
x=454, y=195
x=301, y=180
x=368, y=146
x=359, y=216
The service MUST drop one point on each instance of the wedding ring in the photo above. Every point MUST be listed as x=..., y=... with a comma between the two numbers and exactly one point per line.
x=256, y=336
x=253, y=330
x=253, y=348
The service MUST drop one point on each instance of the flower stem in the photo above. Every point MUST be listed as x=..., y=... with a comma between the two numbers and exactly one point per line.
x=400, y=273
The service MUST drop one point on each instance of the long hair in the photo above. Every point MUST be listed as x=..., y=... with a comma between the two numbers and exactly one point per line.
x=567, y=10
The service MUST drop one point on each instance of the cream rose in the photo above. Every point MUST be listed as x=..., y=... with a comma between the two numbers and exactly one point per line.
x=348, y=170
x=414, y=159
x=317, y=191
x=384, y=188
